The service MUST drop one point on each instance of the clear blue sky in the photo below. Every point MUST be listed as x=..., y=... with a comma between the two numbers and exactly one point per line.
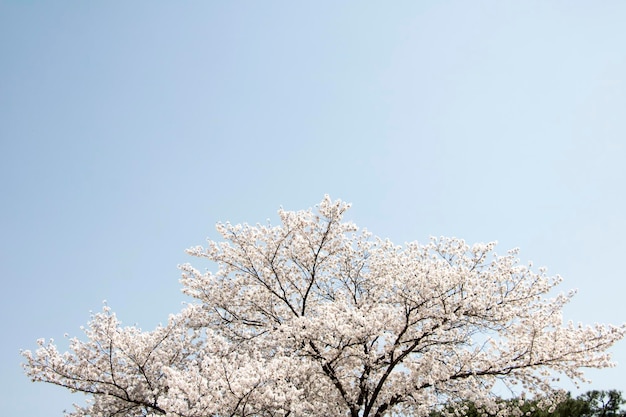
x=128, y=129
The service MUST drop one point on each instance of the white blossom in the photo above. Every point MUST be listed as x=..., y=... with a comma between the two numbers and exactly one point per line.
x=317, y=318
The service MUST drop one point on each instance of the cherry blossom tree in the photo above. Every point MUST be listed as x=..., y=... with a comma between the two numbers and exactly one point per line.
x=315, y=317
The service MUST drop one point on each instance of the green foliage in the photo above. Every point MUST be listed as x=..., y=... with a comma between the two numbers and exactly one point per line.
x=604, y=403
x=590, y=404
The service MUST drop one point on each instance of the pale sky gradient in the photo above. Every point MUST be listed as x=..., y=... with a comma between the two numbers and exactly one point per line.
x=127, y=129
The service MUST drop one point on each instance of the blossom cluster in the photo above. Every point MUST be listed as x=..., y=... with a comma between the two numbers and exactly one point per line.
x=315, y=317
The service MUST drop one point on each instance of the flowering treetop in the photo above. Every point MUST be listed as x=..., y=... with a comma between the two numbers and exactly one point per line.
x=314, y=317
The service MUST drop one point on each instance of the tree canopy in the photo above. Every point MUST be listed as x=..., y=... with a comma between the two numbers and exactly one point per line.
x=590, y=404
x=315, y=317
